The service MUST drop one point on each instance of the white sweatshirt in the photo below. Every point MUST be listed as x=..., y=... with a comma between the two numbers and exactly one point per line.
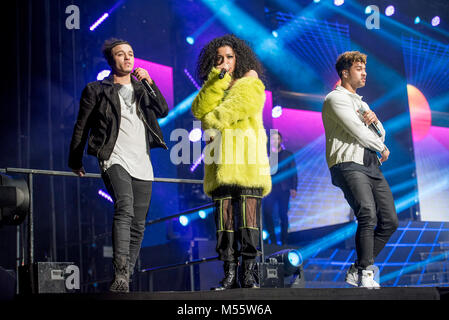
x=346, y=133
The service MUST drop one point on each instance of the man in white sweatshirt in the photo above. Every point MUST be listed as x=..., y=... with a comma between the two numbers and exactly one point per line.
x=354, y=138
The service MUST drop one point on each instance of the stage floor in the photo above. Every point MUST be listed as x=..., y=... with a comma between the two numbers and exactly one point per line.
x=388, y=293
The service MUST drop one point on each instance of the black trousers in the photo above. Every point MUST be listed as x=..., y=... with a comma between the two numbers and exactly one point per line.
x=237, y=218
x=282, y=198
x=373, y=205
x=131, y=202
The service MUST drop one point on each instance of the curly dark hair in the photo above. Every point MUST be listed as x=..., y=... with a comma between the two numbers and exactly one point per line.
x=347, y=59
x=245, y=57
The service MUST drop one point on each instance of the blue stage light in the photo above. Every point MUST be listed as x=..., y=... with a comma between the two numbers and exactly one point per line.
x=183, y=220
x=339, y=2
x=190, y=40
x=274, y=33
x=389, y=11
x=436, y=21
x=291, y=258
x=276, y=112
x=316, y=1
x=417, y=20
x=103, y=74
x=265, y=235
x=294, y=258
x=202, y=214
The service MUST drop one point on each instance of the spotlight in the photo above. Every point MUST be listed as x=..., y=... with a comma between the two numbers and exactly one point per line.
x=265, y=235
x=197, y=163
x=417, y=20
x=195, y=135
x=202, y=214
x=190, y=40
x=316, y=1
x=339, y=2
x=14, y=200
x=103, y=74
x=183, y=220
x=99, y=21
x=389, y=11
x=436, y=21
x=291, y=260
x=274, y=33
x=105, y=195
x=276, y=112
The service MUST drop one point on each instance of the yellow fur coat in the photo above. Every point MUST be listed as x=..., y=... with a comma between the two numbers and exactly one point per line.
x=238, y=153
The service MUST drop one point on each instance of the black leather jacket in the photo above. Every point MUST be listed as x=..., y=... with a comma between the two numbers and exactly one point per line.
x=99, y=119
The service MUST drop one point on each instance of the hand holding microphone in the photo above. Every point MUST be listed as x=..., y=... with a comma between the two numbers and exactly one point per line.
x=224, y=68
x=143, y=76
x=370, y=119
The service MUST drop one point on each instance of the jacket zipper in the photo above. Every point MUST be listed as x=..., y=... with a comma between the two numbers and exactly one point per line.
x=145, y=122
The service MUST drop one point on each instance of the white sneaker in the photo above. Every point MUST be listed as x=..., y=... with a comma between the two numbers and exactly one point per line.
x=352, y=276
x=366, y=280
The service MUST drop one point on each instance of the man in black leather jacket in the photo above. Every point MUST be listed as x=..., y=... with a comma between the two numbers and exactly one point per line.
x=118, y=119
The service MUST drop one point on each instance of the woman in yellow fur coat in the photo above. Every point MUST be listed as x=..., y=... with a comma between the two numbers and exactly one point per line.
x=237, y=172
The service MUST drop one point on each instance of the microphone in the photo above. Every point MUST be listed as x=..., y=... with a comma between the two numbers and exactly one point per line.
x=222, y=73
x=147, y=86
x=372, y=126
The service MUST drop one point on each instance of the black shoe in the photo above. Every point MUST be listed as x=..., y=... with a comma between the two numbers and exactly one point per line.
x=230, y=279
x=249, y=274
x=121, y=277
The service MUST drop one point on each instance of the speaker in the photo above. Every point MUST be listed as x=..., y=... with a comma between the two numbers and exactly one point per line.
x=49, y=277
x=271, y=274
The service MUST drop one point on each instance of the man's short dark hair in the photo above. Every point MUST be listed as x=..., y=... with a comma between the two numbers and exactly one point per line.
x=347, y=59
x=107, y=48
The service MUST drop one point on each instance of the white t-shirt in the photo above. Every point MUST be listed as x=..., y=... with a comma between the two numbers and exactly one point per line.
x=130, y=150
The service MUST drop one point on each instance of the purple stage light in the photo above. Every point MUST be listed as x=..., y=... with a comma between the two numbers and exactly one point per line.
x=162, y=76
x=191, y=79
x=389, y=11
x=99, y=21
x=197, y=163
x=103, y=74
x=105, y=195
x=436, y=21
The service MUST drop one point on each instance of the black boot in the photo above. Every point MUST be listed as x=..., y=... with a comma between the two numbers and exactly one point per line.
x=249, y=274
x=121, y=277
x=230, y=279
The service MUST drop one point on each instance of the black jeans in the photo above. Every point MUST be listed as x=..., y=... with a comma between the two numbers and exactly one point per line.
x=237, y=218
x=373, y=205
x=282, y=198
x=131, y=202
